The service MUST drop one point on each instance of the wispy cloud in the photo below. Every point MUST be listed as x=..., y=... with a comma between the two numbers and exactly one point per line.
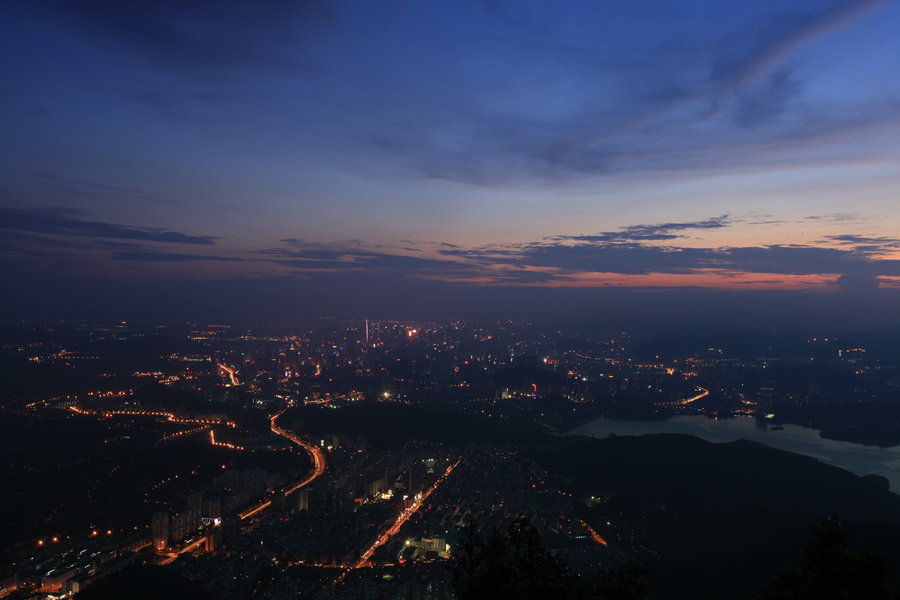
x=207, y=38
x=686, y=93
x=91, y=188
x=866, y=244
x=171, y=257
x=834, y=217
x=746, y=59
x=302, y=255
x=63, y=222
x=661, y=231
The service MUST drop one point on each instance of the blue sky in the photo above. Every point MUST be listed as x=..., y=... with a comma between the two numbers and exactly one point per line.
x=636, y=145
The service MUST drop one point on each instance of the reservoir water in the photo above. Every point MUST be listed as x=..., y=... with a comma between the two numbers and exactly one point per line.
x=856, y=458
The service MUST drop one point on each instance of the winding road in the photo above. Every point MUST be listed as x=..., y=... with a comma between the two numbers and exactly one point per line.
x=318, y=458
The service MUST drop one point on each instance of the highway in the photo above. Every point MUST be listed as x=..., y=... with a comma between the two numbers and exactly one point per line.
x=318, y=458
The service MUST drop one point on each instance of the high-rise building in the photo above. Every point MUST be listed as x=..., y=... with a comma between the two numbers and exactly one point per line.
x=184, y=525
x=212, y=508
x=302, y=502
x=159, y=528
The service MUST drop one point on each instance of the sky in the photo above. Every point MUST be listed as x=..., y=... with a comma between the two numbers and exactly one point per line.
x=737, y=161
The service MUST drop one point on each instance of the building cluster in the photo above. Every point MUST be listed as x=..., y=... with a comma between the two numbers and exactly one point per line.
x=62, y=574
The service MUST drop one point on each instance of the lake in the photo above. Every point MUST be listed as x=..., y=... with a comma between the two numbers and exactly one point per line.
x=856, y=458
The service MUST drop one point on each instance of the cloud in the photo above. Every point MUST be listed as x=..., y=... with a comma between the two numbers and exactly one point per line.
x=762, y=105
x=27, y=246
x=764, y=129
x=63, y=222
x=855, y=283
x=797, y=260
x=635, y=251
x=90, y=188
x=334, y=257
x=690, y=93
x=636, y=258
x=205, y=36
x=170, y=257
x=662, y=231
x=834, y=217
x=746, y=58
x=638, y=250
x=864, y=243
x=451, y=265
x=606, y=258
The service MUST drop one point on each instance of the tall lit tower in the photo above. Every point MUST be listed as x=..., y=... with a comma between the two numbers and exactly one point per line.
x=367, y=333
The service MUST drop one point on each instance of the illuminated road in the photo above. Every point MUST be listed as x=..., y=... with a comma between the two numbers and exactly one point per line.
x=169, y=558
x=256, y=508
x=318, y=457
x=178, y=434
x=106, y=414
x=703, y=394
x=594, y=535
x=398, y=523
x=215, y=442
x=316, y=453
x=204, y=423
x=232, y=374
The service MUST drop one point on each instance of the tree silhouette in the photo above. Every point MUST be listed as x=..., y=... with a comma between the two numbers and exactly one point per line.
x=514, y=566
x=831, y=571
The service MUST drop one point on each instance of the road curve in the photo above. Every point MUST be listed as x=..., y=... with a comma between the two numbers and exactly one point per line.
x=318, y=457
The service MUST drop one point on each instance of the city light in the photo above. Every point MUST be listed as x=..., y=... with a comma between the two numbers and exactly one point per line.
x=404, y=516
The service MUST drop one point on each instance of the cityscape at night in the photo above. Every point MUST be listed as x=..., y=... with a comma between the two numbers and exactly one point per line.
x=476, y=300
x=349, y=458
